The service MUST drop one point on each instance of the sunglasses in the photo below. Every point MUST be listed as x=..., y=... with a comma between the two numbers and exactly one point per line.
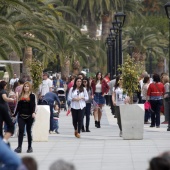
x=84, y=81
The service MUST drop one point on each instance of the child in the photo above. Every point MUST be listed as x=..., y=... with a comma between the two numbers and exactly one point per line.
x=56, y=112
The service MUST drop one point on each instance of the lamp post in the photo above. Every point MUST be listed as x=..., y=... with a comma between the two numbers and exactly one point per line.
x=109, y=54
x=113, y=35
x=150, y=60
x=120, y=19
x=167, y=9
x=116, y=31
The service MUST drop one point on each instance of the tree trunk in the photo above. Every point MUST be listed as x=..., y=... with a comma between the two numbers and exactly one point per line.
x=160, y=66
x=92, y=28
x=26, y=60
x=65, y=69
x=15, y=67
x=106, y=24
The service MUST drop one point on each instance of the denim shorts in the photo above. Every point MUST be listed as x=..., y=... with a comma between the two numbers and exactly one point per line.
x=99, y=99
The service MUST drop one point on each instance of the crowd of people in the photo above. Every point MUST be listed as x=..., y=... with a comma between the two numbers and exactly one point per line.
x=83, y=97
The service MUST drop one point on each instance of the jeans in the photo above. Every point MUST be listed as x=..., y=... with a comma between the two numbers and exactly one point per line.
x=117, y=113
x=56, y=124
x=9, y=159
x=155, y=115
x=87, y=114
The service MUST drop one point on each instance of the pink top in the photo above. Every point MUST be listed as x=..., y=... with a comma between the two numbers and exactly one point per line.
x=19, y=89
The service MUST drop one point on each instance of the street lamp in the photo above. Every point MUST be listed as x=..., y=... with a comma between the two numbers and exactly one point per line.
x=116, y=30
x=167, y=9
x=150, y=60
x=165, y=50
x=113, y=38
x=109, y=54
x=120, y=19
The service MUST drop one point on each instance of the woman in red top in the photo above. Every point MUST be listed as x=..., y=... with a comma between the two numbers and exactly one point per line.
x=100, y=88
x=155, y=95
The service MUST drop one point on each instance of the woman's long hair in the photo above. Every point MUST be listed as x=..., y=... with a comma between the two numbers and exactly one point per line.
x=117, y=81
x=81, y=88
x=96, y=79
x=23, y=92
x=88, y=84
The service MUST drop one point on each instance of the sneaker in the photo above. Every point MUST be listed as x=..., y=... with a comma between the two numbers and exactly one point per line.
x=165, y=122
x=152, y=126
x=18, y=150
x=51, y=132
x=120, y=134
x=157, y=126
x=78, y=135
x=147, y=122
x=30, y=150
x=56, y=131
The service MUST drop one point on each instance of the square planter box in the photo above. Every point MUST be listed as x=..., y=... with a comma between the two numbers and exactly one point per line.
x=42, y=124
x=132, y=119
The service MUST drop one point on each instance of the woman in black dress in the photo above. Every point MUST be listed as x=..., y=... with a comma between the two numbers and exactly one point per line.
x=26, y=114
x=4, y=115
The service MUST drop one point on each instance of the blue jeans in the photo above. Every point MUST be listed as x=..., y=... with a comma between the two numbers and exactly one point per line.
x=155, y=115
x=56, y=124
x=87, y=114
x=9, y=159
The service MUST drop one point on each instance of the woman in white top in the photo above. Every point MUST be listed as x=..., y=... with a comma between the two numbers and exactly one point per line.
x=118, y=98
x=165, y=80
x=78, y=96
x=146, y=82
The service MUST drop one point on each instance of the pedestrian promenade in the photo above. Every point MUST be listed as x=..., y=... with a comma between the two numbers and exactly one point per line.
x=101, y=149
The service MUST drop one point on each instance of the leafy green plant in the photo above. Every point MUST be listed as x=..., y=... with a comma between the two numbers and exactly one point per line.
x=36, y=70
x=130, y=74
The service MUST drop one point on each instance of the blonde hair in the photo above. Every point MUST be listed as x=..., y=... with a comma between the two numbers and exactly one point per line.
x=165, y=79
x=23, y=92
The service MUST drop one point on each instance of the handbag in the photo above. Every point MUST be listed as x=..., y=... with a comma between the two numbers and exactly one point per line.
x=147, y=105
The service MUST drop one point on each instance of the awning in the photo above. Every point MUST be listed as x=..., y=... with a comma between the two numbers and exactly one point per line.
x=10, y=62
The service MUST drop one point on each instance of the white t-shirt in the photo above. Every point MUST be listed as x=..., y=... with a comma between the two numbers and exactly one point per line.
x=45, y=87
x=12, y=81
x=120, y=97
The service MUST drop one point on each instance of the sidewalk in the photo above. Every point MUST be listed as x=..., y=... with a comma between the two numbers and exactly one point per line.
x=101, y=149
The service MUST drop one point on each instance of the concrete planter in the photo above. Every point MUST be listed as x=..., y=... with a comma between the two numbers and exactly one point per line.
x=42, y=124
x=132, y=119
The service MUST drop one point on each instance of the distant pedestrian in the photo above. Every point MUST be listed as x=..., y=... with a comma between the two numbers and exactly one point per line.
x=4, y=114
x=45, y=87
x=13, y=80
x=78, y=96
x=155, y=95
x=87, y=112
x=100, y=88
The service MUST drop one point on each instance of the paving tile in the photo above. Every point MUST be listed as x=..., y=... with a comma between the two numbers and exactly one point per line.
x=101, y=149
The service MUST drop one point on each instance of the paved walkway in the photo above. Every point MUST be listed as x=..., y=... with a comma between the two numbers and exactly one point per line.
x=102, y=149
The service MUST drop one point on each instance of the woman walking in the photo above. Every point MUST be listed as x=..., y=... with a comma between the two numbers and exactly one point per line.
x=146, y=82
x=26, y=114
x=86, y=84
x=166, y=103
x=78, y=96
x=4, y=115
x=155, y=95
x=100, y=88
x=118, y=98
